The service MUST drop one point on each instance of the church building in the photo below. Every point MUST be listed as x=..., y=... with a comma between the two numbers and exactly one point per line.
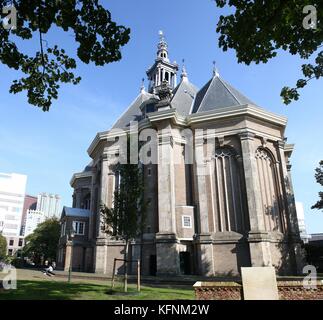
x=232, y=206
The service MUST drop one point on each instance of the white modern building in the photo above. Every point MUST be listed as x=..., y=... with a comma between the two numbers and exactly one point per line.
x=49, y=204
x=33, y=219
x=301, y=222
x=12, y=195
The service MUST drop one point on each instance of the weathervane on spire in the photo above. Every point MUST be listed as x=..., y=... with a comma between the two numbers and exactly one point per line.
x=184, y=73
x=215, y=70
x=142, y=88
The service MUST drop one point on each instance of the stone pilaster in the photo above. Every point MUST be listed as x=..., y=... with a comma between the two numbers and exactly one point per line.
x=203, y=238
x=94, y=200
x=103, y=193
x=258, y=238
x=166, y=240
x=288, y=191
x=100, y=256
x=78, y=198
x=166, y=183
x=294, y=234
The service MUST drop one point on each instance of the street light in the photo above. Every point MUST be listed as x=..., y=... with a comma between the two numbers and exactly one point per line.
x=72, y=234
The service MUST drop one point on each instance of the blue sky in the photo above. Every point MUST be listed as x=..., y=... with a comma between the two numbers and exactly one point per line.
x=50, y=147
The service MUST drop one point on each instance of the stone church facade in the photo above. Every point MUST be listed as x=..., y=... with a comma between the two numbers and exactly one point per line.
x=231, y=206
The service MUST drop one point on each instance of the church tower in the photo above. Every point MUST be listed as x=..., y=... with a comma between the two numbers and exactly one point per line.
x=162, y=72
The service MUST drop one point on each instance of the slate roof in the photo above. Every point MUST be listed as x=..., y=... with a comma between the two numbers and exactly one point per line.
x=133, y=112
x=88, y=168
x=218, y=94
x=215, y=94
x=75, y=212
x=183, y=97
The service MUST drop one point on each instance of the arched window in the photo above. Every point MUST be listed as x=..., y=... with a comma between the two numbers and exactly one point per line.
x=228, y=205
x=269, y=190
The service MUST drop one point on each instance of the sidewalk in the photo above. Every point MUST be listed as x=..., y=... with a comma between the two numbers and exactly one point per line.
x=173, y=280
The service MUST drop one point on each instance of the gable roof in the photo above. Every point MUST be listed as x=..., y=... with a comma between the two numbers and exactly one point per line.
x=133, y=112
x=217, y=93
x=183, y=97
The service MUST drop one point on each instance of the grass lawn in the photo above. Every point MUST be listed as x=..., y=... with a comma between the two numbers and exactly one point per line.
x=80, y=290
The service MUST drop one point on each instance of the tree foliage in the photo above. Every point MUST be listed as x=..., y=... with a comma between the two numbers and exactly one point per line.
x=43, y=242
x=126, y=219
x=3, y=246
x=98, y=37
x=319, y=179
x=257, y=29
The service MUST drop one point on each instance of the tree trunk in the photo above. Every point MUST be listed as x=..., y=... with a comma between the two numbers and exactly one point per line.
x=126, y=266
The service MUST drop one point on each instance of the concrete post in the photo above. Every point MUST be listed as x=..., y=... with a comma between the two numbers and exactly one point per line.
x=68, y=256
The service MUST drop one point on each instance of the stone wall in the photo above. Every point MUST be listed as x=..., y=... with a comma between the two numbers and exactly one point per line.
x=287, y=290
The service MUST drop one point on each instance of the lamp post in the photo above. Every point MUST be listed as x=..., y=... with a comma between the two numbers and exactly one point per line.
x=72, y=234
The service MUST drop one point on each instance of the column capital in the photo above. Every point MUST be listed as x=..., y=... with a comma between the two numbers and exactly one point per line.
x=246, y=135
x=165, y=139
x=104, y=157
x=280, y=144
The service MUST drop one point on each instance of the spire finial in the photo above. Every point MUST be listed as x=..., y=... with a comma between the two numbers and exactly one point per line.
x=161, y=35
x=184, y=73
x=162, y=47
x=215, y=70
x=142, y=88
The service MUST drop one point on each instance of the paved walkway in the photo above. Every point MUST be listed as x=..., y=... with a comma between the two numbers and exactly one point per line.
x=173, y=280
x=29, y=274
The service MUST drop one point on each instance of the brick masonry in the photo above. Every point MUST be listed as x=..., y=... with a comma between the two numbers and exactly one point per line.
x=287, y=290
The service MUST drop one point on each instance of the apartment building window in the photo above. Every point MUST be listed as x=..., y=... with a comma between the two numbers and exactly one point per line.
x=11, y=226
x=10, y=252
x=10, y=217
x=20, y=242
x=187, y=221
x=78, y=227
x=11, y=242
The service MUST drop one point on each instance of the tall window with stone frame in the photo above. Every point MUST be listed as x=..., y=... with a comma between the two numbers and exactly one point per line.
x=269, y=190
x=226, y=191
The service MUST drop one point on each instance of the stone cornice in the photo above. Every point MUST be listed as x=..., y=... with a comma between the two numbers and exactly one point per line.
x=234, y=111
x=228, y=112
x=79, y=175
x=167, y=114
x=99, y=136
